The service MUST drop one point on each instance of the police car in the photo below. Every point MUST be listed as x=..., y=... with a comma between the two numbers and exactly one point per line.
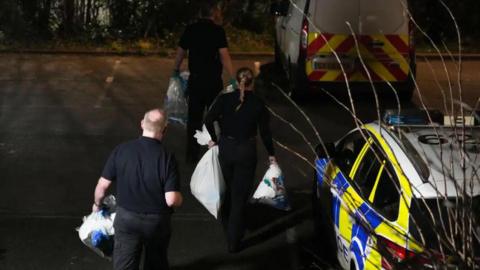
x=392, y=194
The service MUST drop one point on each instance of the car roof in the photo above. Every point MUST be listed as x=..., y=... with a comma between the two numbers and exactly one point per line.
x=434, y=153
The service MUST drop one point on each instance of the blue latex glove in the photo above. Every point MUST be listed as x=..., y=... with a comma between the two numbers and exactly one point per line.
x=233, y=82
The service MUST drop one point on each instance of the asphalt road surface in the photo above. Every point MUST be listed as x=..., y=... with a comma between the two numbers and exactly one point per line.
x=61, y=115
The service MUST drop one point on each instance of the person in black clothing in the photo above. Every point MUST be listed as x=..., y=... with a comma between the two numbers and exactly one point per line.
x=148, y=184
x=239, y=114
x=207, y=48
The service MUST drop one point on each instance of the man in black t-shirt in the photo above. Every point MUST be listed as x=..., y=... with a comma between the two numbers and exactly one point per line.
x=148, y=187
x=207, y=47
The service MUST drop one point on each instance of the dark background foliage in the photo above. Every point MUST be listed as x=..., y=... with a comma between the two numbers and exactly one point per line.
x=97, y=21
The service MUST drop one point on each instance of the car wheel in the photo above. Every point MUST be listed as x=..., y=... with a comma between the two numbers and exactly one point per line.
x=323, y=222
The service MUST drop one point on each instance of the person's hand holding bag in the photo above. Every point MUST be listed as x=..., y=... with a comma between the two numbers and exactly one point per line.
x=211, y=144
x=272, y=160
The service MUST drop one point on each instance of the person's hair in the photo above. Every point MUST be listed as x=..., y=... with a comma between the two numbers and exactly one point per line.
x=157, y=124
x=246, y=76
x=207, y=7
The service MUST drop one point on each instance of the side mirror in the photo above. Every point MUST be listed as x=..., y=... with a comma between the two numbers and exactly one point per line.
x=327, y=150
x=279, y=8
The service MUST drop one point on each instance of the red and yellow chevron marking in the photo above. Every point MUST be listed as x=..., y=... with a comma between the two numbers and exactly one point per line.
x=386, y=57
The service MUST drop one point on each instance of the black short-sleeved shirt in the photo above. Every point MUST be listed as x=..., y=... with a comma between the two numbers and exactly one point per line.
x=203, y=39
x=143, y=171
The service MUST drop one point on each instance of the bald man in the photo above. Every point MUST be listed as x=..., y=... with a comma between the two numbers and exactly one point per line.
x=148, y=188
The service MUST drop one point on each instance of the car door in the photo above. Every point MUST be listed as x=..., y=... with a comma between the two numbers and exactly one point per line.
x=376, y=181
x=385, y=193
x=356, y=228
x=346, y=199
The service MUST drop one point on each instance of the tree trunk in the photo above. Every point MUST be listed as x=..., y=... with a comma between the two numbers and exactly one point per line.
x=88, y=19
x=44, y=19
x=68, y=17
x=80, y=17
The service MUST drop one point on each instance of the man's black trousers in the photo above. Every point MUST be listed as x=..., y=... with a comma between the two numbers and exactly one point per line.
x=135, y=232
x=238, y=161
x=201, y=94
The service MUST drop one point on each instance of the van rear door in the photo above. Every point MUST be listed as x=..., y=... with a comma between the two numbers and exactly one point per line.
x=383, y=27
x=367, y=17
x=330, y=33
x=331, y=16
x=379, y=27
x=383, y=17
x=387, y=18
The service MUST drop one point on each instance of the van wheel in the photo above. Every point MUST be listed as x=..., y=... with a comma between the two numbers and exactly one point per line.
x=297, y=84
x=323, y=222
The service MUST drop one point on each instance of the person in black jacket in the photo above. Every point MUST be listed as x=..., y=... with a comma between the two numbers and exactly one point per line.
x=239, y=113
x=207, y=47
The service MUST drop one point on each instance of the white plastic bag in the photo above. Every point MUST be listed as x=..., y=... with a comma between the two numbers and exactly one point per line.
x=175, y=101
x=203, y=137
x=271, y=190
x=207, y=184
x=97, y=230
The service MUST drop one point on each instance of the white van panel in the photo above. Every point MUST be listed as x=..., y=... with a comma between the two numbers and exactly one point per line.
x=331, y=15
x=293, y=26
x=383, y=17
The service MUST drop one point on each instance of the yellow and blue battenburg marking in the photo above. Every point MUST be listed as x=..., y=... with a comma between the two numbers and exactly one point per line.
x=321, y=166
x=357, y=237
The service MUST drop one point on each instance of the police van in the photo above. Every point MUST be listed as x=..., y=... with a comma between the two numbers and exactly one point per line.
x=371, y=40
x=401, y=194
